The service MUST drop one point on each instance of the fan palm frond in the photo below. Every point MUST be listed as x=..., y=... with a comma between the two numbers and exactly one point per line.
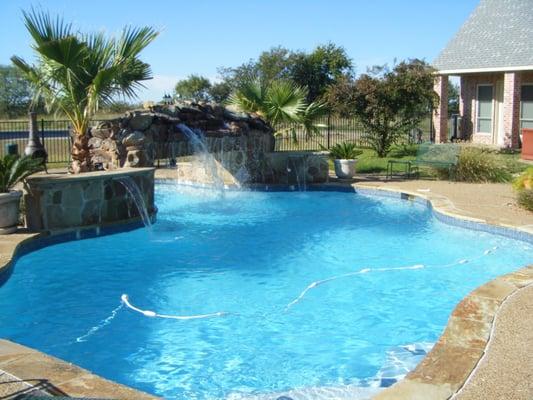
x=284, y=102
x=310, y=115
x=14, y=169
x=78, y=73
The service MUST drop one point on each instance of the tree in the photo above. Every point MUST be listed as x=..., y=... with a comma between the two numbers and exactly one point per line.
x=219, y=92
x=271, y=65
x=389, y=103
x=318, y=70
x=195, y=88
x=453, y=99
x=279, y=102
x=315, y=71
x=78, y=73
x=15, y=92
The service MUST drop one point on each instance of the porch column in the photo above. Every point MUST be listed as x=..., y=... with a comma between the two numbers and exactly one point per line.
x=440, y=115
x=511, y=109
x=465, y=107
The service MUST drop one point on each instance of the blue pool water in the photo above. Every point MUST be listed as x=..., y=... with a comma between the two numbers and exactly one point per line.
x=396, y=274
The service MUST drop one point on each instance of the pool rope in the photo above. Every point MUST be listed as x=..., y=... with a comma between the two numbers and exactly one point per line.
x=102, y=323
x=153, y=314
x=315, y=284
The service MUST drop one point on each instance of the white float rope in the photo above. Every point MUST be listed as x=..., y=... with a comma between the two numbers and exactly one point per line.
x=148, y=313
x=315, y=284
x=102, y=323
x=153, y=314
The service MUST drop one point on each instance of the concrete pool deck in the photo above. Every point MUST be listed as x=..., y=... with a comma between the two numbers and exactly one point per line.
x=495, y=203
x=489, y=333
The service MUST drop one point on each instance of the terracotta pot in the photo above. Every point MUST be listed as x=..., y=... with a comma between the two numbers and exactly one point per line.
x=527, y=144
x=9, y=211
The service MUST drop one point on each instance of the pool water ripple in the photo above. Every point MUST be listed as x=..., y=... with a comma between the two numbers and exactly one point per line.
x=375, y=280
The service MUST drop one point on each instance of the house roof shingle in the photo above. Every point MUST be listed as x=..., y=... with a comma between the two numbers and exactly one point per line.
x=497, y=35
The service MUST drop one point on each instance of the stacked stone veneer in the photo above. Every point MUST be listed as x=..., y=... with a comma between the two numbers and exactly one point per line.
x=297, y=167
x=239, y=140
x=58, y=202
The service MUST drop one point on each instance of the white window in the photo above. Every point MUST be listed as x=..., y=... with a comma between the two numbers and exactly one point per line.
x=526, y=107
x=484, y=109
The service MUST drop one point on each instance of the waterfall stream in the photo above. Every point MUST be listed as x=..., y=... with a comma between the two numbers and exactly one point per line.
x=135, y=193
x=199, y=145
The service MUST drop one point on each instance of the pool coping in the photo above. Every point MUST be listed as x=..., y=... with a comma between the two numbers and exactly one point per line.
x=440, y=375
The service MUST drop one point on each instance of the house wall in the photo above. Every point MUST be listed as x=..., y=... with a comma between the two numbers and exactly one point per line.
x=467, y=105
x=511, y=102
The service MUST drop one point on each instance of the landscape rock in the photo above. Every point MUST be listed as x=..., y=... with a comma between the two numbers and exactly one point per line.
x=140, y=137
x=141, y=122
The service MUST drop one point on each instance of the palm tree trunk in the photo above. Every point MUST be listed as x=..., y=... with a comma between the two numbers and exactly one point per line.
x=81, y=157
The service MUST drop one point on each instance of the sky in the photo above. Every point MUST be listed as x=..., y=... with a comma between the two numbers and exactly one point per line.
x=199, y=36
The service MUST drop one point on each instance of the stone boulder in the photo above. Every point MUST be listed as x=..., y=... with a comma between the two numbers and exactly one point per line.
x=140, y=137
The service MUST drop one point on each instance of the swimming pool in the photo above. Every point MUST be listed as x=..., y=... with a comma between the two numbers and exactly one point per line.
x=299, y=291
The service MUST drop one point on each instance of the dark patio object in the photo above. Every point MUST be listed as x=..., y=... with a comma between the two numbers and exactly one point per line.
x=35, y=148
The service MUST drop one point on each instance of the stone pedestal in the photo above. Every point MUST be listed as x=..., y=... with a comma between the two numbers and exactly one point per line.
x=62, y=202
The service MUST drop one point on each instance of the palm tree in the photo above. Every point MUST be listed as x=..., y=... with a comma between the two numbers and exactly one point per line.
x=310, y=115
x=78, y=73
x=280, y=103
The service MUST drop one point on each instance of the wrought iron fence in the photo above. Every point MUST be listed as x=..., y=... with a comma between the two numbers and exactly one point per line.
x=333, y=130
x=55, y=135
x=330, y=131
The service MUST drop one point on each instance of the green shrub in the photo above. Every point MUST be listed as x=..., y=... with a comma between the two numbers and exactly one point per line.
x=524, y=181
x=345, y=151
x=477, y=164
x=14, y=169
x=524, y=186
x=525, y=199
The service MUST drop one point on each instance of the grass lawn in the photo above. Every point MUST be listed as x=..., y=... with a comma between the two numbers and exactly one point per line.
x=369, y=163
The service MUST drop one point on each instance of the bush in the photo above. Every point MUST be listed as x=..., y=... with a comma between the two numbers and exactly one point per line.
x=15, y=169
x=404, y=150
x=480, y=165
x=525, y=199
x=524, y=181
x=524, y=186
x=344, y=151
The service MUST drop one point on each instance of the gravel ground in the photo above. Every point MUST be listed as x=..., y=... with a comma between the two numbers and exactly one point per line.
x=506, y=371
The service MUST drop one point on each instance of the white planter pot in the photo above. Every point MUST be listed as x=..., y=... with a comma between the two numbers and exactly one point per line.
x=9, y=211
x=345, y=169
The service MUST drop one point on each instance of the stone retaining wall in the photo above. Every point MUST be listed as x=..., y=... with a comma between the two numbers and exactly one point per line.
x=280, y=167
x=60, y=201
x=140, y=137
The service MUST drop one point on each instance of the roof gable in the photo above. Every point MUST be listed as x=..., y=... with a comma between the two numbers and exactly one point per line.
x=497, y=35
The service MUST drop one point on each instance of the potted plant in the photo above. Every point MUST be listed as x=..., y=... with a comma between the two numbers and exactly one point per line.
x=13, y=169
x=345, y=157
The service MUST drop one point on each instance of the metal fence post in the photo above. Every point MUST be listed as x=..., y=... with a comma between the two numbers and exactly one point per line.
x=431, y=131
x=42, y=131
x=329, y=129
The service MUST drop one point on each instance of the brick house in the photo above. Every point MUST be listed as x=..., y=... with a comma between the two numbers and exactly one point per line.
x=492, y=54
